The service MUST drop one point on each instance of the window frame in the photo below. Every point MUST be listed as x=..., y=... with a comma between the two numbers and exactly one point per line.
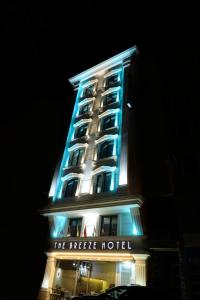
x=102, y=176
x=79, y=159
x=106, y=137
x=105, y=102
x=82, y=103
x=77, y=135
x=110, y=116
x=87, y=86
x=78, y=125
x=102, y=153
x=69, y=226
x=109, y=113
x=103, y=169
x=111, y=217
x=108, y=92
x=81, y=112
x=113, y=82
x=66, y=185
x=117, y=73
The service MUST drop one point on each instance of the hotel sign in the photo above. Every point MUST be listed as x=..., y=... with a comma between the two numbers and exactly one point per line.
x=93, y=245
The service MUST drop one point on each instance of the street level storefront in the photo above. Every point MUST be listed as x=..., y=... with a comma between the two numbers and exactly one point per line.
x=90, y=266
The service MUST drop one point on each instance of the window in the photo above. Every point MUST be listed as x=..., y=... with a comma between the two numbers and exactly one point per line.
x=81, y=130
x=105, y=149
x=113, y=79
x=108, y=122
x=102, y=182
x=108, y=225
x=109, y=99
x=76, y=157
x=74, y=228
x=84, y=109
x=89, y=91
x=71, y=186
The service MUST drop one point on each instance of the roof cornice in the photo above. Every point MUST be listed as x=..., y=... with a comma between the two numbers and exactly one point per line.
x=109, y=63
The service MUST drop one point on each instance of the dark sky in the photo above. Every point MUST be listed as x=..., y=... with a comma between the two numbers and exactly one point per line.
x=43, y=45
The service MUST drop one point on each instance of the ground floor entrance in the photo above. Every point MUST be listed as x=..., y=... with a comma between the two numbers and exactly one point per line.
x=91, y=273
x=92, y=277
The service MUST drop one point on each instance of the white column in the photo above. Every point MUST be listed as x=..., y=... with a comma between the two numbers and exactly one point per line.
x=140, y=268
x=49, y=274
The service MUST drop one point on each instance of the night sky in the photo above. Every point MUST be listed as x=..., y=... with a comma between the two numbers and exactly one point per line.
x=42, y=45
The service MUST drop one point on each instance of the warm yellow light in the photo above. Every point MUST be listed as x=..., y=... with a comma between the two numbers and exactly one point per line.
x=97, y=256
x=45, y=283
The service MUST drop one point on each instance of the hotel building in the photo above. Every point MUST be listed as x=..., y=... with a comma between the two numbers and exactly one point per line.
x=97, y=238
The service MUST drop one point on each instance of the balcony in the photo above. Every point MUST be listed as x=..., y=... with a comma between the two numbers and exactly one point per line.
x=112, y=130
x=75, y=169
x=110, y=161
x=83, y=116
x=80, y=140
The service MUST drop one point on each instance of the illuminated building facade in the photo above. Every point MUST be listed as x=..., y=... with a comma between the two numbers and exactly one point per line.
x=97, y=238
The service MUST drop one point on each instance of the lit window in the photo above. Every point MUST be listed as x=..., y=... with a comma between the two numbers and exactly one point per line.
x=71, y=186
x=74, y=228
x=108, y=122
x=89, y=91
x=109, y=99
x=108, y=226
x=102, y=182
x=81, y=131
x=105, y=149
x=84, y=109
x=76, y=157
